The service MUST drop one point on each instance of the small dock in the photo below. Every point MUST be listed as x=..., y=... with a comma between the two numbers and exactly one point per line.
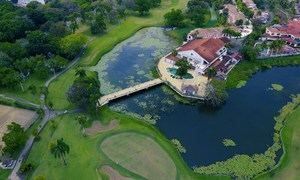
x=128, y=91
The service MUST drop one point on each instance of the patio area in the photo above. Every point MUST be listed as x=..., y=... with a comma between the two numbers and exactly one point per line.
x=197, y=81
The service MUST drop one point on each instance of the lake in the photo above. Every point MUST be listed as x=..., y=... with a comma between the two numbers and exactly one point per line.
x=246, y=118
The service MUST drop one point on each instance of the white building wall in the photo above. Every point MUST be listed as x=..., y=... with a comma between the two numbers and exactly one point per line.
x=192, y=57
x=169, y=61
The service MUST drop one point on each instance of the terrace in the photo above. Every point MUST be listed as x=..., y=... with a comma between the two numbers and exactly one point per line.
x=284, y=51
x=178, y=84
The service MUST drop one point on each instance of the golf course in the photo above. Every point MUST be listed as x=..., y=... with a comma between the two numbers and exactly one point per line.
x=89, y=153
x=288, y=167
x=102, y=44
x=152, y=134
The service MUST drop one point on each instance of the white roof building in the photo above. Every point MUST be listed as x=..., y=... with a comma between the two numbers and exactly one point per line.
x=24, y=3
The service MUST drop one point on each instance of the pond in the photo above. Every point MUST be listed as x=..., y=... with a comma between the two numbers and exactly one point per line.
x=247, y=117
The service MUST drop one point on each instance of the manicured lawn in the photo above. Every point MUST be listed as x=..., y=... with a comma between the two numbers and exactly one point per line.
x=4, y=173
x=85, y=154
x=289, y=167
x=58, y=90
x=244, y=70
x=103, y=44
x=139, y=154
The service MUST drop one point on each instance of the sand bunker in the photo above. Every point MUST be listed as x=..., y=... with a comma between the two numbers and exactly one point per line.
x=98, y=127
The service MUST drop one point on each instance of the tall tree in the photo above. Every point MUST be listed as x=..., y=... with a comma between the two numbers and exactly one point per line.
x=82, y=120
x=174, y=18
x=60, y=149
x=143, y=6
x=277, y=45
x=14, y=139
x=183, y=67
x=196, y=11
x=80, y=73
x=58, y=63
x=250, y=53
x=211, y=72
x=9, y=77
x=71, y=45
x=98, y=24
x=84, y=92
x=216, y=94
x=5, y=60
x=39, y=43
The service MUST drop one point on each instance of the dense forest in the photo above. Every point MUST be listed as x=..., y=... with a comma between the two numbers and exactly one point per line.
x=40, y=40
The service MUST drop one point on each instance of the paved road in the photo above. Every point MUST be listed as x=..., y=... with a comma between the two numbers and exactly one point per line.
x=48, y=115
x=72, y=64
x=21, y=100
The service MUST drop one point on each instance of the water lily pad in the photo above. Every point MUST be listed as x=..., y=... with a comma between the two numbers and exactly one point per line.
x=229, y=143
x=241, y=84
x=277, y=87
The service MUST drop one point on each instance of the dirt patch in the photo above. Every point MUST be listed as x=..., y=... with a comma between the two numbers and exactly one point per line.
x=9, y=114
x=97, y=127
x=112, y=173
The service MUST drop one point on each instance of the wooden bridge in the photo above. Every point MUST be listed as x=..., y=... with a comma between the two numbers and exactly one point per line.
x=126, y=92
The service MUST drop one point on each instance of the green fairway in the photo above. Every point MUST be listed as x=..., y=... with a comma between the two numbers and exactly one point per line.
x=103, y=44
x=86, y=156
x=4, y=173
x=139, y=154
x=26, y=94
x=289, y=166
x=244, y=70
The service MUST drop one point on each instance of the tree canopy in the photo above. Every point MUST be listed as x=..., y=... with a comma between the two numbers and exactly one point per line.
x=36, y=40
x=60, y=149
x=84, y=92
x=216, y=94
x=14, y=139
x=196, y=11
x=183, y=67
x=174, y=18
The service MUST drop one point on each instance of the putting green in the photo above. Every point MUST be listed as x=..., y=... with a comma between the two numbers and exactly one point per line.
x=139, y=154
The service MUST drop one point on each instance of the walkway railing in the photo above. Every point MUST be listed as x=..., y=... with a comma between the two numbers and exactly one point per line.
x=126, y=92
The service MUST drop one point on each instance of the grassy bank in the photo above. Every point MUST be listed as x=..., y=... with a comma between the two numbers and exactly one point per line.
x=288, y=167
x=25, y=93
x=4, y=173
x=16, y=103
x=104, y=43
x=85, y=154
x=247, y=167
x=246, y=69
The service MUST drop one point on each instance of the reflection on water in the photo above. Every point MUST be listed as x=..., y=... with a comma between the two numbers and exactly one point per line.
x=247, y=117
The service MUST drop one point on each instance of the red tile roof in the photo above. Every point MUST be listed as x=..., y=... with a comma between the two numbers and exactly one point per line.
x=293, y=28
x=224, y=65
x=206, y=48
x=237, y=56
x=233, y=13
x=172, y=57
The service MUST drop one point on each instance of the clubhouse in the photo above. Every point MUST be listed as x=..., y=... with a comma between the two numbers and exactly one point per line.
x=206, y=53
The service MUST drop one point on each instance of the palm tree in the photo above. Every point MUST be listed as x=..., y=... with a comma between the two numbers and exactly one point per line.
x=80, y=73
x=60, y=149
x=277, y=45
x=211, y=72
